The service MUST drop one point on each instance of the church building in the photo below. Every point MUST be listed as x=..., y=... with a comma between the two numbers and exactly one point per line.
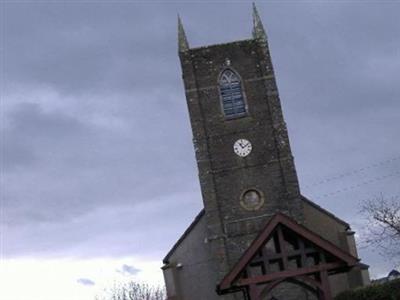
x=257, y=236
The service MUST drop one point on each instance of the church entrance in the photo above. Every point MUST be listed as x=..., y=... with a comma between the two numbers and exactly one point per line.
x=287, y=261
x=291, y=289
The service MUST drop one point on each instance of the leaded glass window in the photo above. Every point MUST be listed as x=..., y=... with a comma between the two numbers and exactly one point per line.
x=231, y=94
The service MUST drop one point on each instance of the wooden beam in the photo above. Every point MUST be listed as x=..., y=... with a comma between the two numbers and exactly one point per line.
x=247, y=256
x=282, y=246
x=265, y=259
x=326, y=289
x=303, y=252
x=310, y=281
x=288, y=254
x=254, y=292
x=288, y=274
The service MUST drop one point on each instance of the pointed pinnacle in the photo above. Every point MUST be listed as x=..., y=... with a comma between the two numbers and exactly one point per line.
x=183, y=44
x=258, y=28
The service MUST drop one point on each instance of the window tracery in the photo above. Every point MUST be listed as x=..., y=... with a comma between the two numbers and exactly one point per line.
x=232, y=97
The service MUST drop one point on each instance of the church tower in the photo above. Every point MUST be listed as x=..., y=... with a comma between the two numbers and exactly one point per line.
x=246, y=168
x=245, y=164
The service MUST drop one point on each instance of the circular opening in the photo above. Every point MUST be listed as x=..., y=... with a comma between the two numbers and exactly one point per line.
x=251, y=199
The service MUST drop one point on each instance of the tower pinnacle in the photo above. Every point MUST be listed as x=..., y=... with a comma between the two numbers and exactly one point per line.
x=258, y=28
x=183, y=44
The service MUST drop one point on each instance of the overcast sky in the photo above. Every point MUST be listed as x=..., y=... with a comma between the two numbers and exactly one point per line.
x=97, y=158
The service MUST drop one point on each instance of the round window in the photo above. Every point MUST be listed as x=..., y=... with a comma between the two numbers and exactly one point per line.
x=252, y=199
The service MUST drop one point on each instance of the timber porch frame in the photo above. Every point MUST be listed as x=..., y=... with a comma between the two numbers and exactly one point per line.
x=286, y=251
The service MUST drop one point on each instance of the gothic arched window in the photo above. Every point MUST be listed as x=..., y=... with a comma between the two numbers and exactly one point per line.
x=232, y=97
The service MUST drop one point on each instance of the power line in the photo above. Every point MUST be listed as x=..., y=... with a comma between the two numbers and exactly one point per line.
x=352, y=187
x=351, y=172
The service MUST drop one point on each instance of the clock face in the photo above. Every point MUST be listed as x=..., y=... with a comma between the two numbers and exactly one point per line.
x=242, y=147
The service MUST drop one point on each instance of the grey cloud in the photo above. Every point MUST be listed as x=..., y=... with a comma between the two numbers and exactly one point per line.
x=128, y=270
x=115, y=137
x=83, y=165
x=86, y=281
x=96, y=51
x=106, y=229
x=31, y=120
x=30, y=134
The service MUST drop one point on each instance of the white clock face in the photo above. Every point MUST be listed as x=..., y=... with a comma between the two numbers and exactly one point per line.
x=242, y=147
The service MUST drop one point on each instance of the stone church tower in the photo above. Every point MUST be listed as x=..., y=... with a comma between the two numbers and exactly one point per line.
x=257, y=236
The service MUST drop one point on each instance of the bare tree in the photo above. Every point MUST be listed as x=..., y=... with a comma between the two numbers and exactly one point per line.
x=383, y=227
x=133, y=291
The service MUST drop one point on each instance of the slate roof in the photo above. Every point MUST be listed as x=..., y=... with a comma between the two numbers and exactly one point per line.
x=183, y=236
x=323, y=210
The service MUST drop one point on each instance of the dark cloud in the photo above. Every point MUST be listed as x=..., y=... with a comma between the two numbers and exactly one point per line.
x=67, y=151
x=96, y=132
x=86, y=281
x=30, y=128
x=86, y=47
